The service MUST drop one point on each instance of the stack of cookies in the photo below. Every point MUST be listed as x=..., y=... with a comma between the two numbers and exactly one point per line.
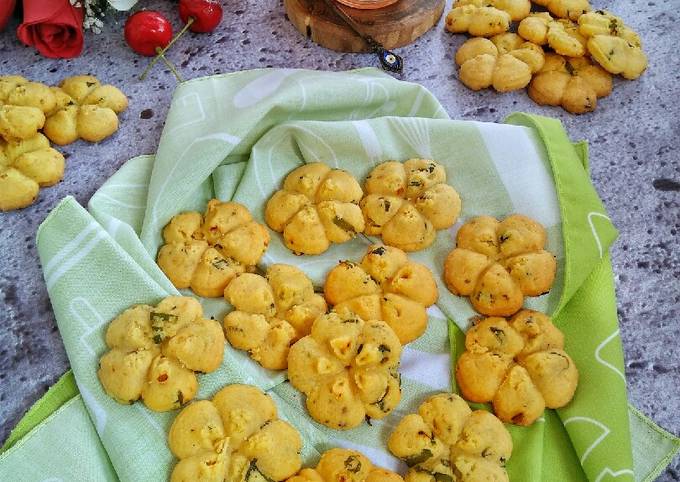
x=80, y=108
x=583, y=49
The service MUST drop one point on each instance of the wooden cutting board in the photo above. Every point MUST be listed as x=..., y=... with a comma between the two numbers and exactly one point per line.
x=393, y=26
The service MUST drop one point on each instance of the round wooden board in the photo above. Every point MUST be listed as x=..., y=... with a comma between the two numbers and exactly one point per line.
x=393, y=26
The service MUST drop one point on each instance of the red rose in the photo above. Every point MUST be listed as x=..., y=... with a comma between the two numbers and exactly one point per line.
x=54, y=27
x=6, y=9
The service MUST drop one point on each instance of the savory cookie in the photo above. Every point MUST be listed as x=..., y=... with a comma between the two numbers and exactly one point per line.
x=446, y=440
x=205, y=253
x=236, y=437
x=406, y=203
x=347, y=368
x=477, y=21
x=19, y=91
x=386, y=286
x=25, y=166
x=613, y=45
x=518, y=9
x=85, y=109
x=561, y=35
x=271, y=313
x=338, y=465
x=574, y=84
x=154, y=352
x=519, y=365
x=20, y=122
x=505, y=62
x=498, y=263
x=571, y=9
x=316, y=207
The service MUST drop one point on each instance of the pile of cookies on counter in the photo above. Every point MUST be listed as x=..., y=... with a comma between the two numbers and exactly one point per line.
x=33, y=114
x=583, y=49
x=342, y=344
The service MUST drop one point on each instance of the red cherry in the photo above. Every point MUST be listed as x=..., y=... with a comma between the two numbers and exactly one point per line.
x=206, y=14
x=147, y=30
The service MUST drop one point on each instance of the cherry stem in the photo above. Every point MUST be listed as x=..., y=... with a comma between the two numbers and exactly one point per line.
x=169, y=64
x=161, y=52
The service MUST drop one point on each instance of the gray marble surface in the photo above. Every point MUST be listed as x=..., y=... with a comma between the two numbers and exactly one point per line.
x=634, y=144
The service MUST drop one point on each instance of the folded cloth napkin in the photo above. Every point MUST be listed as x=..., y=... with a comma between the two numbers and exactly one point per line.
x=235, y=137
x=54, y=28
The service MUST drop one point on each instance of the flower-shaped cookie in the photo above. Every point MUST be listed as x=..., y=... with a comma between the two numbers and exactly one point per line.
x=154, y=352
x=347, y=368
x=235, y=437
x=518, y=9
x=446, y=441
x=85, y=109
x=520, y=366
x=205, y=253
x=612, y=44
x=573, y=83
x=271, y=313
x=561, y=35
x=505, y=62
x=25, y=166
x=19, y=91
x=386, y=286
x=571, y=9
x=316, y=207
x=406, y=203
x=478, y=21
x=497, y=263
x=345, y=465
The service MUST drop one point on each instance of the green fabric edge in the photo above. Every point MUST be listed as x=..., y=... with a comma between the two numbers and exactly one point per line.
x=663, y=463
x=57, y=395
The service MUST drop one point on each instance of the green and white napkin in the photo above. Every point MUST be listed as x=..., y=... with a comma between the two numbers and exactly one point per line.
x=235, y=137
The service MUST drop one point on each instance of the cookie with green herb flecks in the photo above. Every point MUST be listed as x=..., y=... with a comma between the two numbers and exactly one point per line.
x=345, y=465
x=316, y=207
x=271, y=312
x=519, y=365
x=347, y=368
x=154, y=352
x=385, y=285
x=236, y=436
x=446, y=440
x=407, y=203
x=205, y=252
x=498, y=263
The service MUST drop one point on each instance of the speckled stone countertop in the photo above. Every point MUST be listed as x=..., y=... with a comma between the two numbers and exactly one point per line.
x=635, y=158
